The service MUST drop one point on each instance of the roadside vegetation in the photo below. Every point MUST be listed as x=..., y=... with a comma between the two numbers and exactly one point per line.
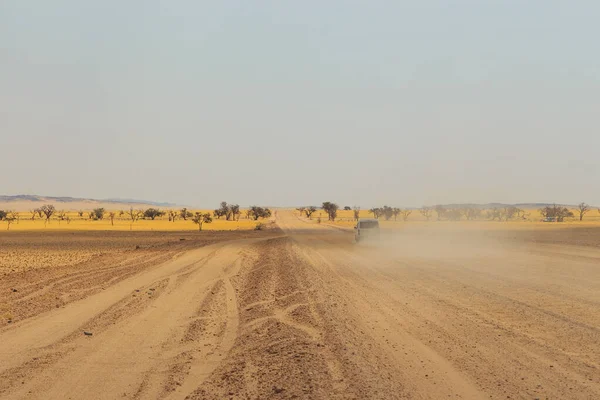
x=333, y=213
x=226, y=217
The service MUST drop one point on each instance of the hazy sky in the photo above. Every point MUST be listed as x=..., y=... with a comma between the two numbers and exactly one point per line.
x=288, y=103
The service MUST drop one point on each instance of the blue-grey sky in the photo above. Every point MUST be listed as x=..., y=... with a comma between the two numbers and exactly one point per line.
x=288, y=103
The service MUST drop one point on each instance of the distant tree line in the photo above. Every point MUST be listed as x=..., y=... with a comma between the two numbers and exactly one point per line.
x=231, y=212
x=443, y=213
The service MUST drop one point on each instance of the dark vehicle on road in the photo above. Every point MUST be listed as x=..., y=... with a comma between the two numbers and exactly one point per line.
x=366, y=229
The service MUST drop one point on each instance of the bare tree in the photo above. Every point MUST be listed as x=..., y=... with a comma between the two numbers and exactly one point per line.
x=583, y=209
x=111, y=216
x=61, y=215
x=10, y=218
x=16, y=215
x=34, y=214
x=301, y=210
x=40, y=212
x=426, y=212
x=80, y=213
x=173, y=214
x=200, y=218
x=134, y=215
x=48, y=210
x=396, y=211
x=405, y=214
x=309, y=211
x=377, y=212
x=356, y=213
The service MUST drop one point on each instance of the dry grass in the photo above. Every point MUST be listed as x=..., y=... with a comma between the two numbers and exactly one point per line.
x=122, y=223
x=533, y=221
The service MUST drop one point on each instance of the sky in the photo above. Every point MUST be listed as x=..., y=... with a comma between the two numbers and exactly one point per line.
x=281, y=103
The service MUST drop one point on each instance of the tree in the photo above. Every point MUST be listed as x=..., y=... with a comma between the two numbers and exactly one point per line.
x=426, y=212
x=377, y=212
x=185, y=214
x=405, y=214
x=224, y=211
x=493, y=214
x=234, y=211
x=356, y=213
x=80, y=213
x=200, y=218
x=34, y=214
x=3, y=214
x=219, y=213
x=47, y=210
x=173, y=214
x=441, y=212
x=10, y=217
x=453, y=214
x=520, y=213
x=301, y=210
x=134, y=215
x=152, y=213
x=387, y=212
x=331, y=209
x=556, y=212
x=503, y=213
x=511, y=212
x=40, y=212
x=259, y=212
x=396, y=211
x=98, y=213
x=347, y=208
x=61, y=215
x=583, y=209
x=111, y=216
x=471, y=213
x=309, y=211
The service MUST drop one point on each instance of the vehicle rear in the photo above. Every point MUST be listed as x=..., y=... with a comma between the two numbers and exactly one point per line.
x=366, y=230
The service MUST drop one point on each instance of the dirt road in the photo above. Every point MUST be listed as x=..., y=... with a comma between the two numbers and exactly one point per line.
x=307, y=314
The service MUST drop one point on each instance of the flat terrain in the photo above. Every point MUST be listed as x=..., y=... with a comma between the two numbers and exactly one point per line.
x=302, y=312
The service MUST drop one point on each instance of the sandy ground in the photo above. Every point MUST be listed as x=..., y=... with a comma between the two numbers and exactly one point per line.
x=302, y=312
